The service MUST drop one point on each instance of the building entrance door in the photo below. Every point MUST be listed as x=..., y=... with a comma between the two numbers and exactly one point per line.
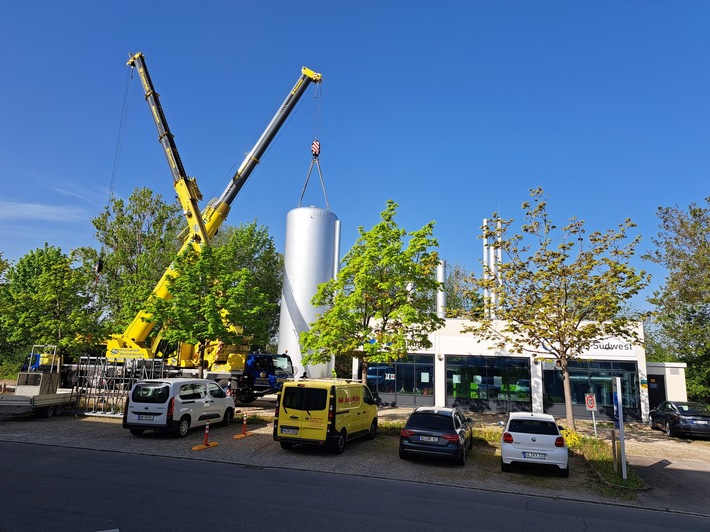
x=656, y=390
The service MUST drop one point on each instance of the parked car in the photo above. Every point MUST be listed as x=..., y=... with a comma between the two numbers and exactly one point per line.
x=681, y=418
x=533, y=439
x=437, y=432
x=175, y=405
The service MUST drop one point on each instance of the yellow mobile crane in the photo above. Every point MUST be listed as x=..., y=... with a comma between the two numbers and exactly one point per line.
x=133, y=342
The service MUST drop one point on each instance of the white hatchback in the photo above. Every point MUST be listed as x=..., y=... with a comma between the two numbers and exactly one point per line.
x=534, y=439
x=176, y=405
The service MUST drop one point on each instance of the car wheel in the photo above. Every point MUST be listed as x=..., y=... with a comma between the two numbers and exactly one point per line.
x=183, y=427
x=651, y=424
x=669, y=429
x=462, y=459
x=504, y=467
x=402, y=455
x=227, y=419
x=137, y=432
x=339, y=445
x=286, y=446
x=373, y=430
x=564, y=472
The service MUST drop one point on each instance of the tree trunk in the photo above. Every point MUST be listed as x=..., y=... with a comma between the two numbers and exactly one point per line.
x=201, y=351
x=568, y=396
x=363, y=372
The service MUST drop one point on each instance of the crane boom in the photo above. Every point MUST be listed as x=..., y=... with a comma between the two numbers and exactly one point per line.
x=186, y=187
x=132, y=343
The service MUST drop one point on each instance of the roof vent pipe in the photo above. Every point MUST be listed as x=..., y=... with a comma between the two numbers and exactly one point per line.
x=441, y=294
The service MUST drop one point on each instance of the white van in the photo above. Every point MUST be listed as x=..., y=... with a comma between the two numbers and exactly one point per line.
x=176, y=405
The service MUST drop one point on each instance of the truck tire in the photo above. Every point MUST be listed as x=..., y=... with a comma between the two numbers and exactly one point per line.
x=49, y=411
x=183, y=427
x=247, y=398
x=59, y=410
x=286, y=445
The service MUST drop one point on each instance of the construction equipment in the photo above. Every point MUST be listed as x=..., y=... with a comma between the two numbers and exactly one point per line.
x=134, y=342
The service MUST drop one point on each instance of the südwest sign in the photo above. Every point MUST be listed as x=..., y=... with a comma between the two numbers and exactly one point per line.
x=611, y=347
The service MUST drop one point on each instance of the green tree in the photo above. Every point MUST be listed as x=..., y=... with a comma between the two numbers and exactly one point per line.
x=139, y=240
x=249, y=248
x=10, y=352
x=557, y=294
x=461, y=297
x=682, y=316
x=223, y=293
x=382, y=303
x=49, y=302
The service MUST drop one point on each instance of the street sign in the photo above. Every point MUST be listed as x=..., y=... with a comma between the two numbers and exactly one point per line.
x=591, y=401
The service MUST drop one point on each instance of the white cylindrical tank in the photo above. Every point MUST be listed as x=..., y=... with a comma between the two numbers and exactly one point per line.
x=310, y=258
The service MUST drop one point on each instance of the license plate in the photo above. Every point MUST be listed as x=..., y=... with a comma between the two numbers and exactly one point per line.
x=700, y=422
x=145, y=417
x=429, y=438
x=289, y=430
x=537, y=456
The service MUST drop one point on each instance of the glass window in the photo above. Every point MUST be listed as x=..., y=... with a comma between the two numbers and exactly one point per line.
x=470, y=378
x=592, y=376
x=305, y=398
x=150, y=393
x=415, y=375
x=216, y=391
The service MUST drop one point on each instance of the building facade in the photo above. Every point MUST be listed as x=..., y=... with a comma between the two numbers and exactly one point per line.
x=463, y=370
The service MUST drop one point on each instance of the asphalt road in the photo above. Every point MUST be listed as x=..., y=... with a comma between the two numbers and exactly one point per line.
x=677, y=485
x=84, y=490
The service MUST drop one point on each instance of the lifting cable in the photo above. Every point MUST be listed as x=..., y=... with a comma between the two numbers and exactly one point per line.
x=315, y=148
x=116, y=158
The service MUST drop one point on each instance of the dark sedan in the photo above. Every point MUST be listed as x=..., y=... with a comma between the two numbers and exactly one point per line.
x=681, y=418
x=437, y=432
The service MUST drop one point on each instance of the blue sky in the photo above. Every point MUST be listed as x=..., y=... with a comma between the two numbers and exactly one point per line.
x=452, y=109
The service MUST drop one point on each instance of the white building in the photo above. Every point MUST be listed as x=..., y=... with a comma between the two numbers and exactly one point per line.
x=461, y=369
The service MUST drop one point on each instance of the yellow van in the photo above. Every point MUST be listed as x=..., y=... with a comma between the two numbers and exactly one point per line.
x=324, y=412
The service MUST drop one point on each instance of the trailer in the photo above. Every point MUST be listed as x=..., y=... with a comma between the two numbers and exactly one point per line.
x=37, y=392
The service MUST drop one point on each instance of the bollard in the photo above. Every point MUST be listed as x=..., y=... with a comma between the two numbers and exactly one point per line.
x=207, y=442
x=244, y=429
x=207, y=433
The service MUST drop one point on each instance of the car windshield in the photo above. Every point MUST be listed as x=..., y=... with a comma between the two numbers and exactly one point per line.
x=430, y=422
x=692, y=408
x=282, y=364
x=533, y=426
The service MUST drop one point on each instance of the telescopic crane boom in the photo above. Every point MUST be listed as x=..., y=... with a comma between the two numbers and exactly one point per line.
x=186, y=187
x=132, y=343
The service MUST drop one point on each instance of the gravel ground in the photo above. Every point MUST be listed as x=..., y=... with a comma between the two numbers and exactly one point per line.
x=377, y=458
